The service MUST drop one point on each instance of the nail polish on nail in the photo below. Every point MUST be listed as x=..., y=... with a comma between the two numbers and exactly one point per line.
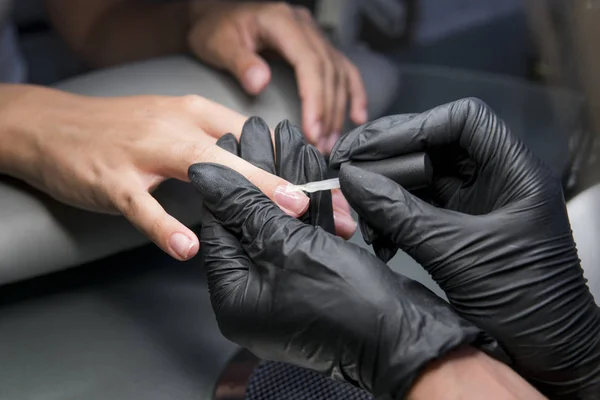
x=344, y=221
x=291, y=200
x=181, y=244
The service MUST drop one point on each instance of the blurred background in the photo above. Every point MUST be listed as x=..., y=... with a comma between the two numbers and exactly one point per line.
x=533, y=61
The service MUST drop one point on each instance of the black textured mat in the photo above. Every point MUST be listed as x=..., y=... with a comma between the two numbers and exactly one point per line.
x=278, y=381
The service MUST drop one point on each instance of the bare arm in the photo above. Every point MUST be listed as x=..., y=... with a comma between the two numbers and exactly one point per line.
x=109, y=32
x=470, y=374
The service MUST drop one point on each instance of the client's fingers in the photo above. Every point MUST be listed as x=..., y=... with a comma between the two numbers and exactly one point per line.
x=294, y=203
x=148, y=216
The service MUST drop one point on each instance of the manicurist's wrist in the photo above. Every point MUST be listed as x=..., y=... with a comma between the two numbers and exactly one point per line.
x=438, y=379
x=467, y=373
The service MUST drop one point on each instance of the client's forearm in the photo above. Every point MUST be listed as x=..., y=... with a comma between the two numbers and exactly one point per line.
x=12, y=124
x=470, y=374
x=110, y=32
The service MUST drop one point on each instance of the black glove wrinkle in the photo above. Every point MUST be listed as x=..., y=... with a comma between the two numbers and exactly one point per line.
x=291, y=158
x=295, y=293
x=256, y=145
x=496, y=239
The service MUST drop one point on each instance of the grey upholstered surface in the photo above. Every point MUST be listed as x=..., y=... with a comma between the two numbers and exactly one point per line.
x=133, y=326
x=584, y=213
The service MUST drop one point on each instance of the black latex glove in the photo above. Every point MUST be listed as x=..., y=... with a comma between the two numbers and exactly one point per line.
x=292, y=292
x=294, y=160
x=499, y=244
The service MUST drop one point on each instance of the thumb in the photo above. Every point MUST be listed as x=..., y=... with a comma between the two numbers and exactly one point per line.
x=149, y=217
x=398, y=217
x=249, y=68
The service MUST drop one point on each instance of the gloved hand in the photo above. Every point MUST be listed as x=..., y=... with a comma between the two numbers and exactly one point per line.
x=298, y=163
x=292, y=292
x=496, y=237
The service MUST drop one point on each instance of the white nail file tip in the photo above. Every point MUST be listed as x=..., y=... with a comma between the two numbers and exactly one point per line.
x=318, y=186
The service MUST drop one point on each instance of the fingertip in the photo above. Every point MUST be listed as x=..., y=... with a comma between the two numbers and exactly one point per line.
x=256, y=78
x=359, y=115
x=345, y=225
x=291, y=200
x=183, y=245
x=348, y=173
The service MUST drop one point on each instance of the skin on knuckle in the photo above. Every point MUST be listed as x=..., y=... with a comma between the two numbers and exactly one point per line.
x=191, y=103
x=261, y=180
x=129, y=204
x=191, y=152
x=155, y=230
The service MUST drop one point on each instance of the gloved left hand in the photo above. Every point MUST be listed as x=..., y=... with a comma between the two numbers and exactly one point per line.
x=297, y=162
x=494, y=235
x=292, y=292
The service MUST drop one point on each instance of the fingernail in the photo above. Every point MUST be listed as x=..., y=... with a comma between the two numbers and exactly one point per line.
x=332, y=140
x=181, y=244
x=344, y=221
x=291, y=200
x=256, y=78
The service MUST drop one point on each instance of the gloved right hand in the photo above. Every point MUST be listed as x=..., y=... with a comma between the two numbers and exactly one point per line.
x=292, y=292
x=498, y=243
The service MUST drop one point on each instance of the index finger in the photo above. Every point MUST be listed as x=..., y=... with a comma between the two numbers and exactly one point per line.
x=214, y=118
x=294, y=203
x=287, y=37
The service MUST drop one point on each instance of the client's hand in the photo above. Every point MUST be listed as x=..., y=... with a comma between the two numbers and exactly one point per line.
x=495, y=236
x=296, y=162
x=108, y=154
x=232, y=35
